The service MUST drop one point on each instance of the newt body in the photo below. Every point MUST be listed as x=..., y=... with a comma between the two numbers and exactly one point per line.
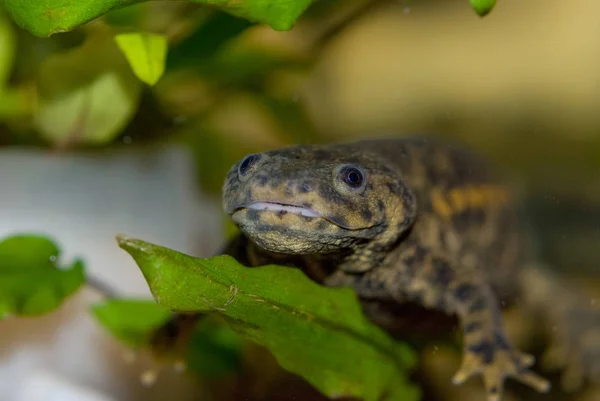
x=408, y=220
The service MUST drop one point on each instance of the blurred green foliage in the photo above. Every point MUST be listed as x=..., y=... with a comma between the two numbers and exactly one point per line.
x=211, y=351
x=86, y=94
x=483, y=7
x=46, y=17
x=86, y=87
x=131, y=321
x=146, y=53
x=31, y=282
x=293, y=317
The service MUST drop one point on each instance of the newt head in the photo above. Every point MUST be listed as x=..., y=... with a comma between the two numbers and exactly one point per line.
x=311, y=199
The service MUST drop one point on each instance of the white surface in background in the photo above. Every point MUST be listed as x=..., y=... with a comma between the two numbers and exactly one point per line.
x=82, y=201
x=46, y=386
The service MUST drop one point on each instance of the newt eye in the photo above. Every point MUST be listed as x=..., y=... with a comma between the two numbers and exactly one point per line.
x=352, y=176
x=247, y=163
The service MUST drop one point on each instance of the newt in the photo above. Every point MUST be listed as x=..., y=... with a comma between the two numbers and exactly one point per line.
x=412, y=220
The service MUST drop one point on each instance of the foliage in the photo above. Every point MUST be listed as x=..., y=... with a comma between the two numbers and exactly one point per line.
x=211, y=351
x=146, y=53
x=483, y=7
x=295, y=318
x=131, y=321
x=86, y=94
x=46, y=17
x=31, y=282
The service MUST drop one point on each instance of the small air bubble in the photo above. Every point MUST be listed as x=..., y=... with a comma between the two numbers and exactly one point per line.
x=52, y=258
x=127, y=140
x=592, y=302
x=148, y=378
x=406, y=10
x=179, y=366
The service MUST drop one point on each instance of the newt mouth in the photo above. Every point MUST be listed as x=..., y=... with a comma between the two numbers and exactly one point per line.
x=295, y=209
x=281, y=207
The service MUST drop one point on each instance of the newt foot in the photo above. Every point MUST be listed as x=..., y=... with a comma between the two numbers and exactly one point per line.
x=505, y=362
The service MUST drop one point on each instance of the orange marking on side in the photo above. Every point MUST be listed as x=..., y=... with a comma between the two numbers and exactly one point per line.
x=468, y=197
x=440, y=206
x=460, y=200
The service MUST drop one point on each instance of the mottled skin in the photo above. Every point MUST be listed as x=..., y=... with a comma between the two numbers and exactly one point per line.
x=425, y=223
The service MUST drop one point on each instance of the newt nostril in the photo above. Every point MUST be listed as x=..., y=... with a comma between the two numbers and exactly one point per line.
x=261, y=180
x=305, y=187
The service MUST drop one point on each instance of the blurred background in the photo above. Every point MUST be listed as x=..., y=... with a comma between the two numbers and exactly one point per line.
x=87, y=151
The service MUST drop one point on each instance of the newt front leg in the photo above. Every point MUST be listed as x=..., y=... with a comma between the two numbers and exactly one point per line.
x=437, y=283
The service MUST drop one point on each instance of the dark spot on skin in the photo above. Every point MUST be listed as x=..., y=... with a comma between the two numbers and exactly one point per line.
x=468, y=218
x=471, y=327
x=408, y=200
x=253, y=215
x=305, y=187
x=281, y=213
x=494, y=390
x=486, y=349
x=443, y=272
x=410, y=262
x=378, y=248
x=478, y=305
x=370, y=187
x=404, y=223
x=464, y=292
x=274, y=182
x=434, y=176
x=366, y=214
x=394, y=188
x=341, y=220
x=381, y=206
x=376, y=285
x=261, y=180
x=248, y=194
x=501, y=341
x=322, y=225
x=420, y=253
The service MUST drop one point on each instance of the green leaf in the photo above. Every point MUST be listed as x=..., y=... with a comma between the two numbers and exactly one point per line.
x=46, y=17
x=317, y=332
x=213, y=349
x=483, y=7
x=15, y=102
x=30, y=282
x=87, y=94
x=146, y=54
x=205, y=41
x=131, y=321
x=7, y=48
x=279, y=14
